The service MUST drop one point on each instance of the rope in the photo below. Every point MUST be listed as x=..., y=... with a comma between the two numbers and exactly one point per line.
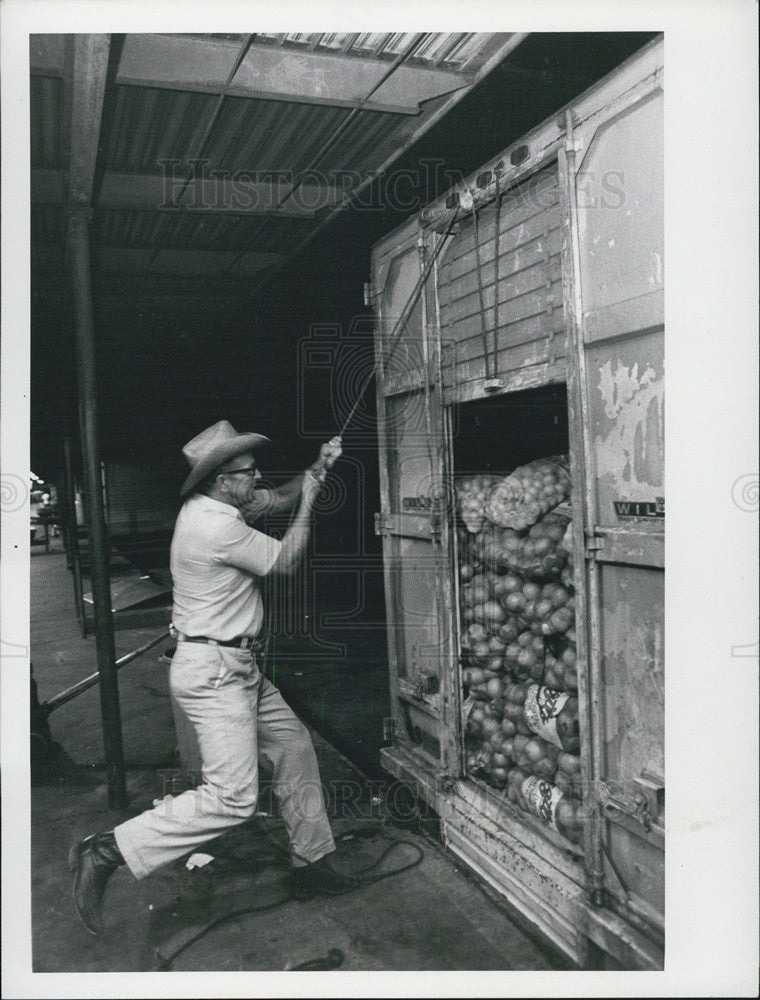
x=398, y=329
x=481, y=296
x=496, y=238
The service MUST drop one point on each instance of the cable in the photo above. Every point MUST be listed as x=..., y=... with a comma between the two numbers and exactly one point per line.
x=332, y=960
x=164, y=962
x=398, y=329
x=497, y=235
x=374, y=831
x=334, y=957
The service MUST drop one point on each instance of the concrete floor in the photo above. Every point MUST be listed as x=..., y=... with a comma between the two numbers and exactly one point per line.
x=432, y=917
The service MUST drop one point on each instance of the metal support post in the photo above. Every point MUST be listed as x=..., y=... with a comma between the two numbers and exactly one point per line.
x=79, y=247
x=72, y=535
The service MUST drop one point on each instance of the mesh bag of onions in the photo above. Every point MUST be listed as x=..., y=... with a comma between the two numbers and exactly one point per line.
x=538, y=553
x=529, y=492
x=472, y=494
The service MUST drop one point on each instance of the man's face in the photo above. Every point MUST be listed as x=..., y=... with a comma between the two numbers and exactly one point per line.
x=239, y=476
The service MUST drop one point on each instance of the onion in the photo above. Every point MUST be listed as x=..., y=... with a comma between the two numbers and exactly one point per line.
x=508, y=726
x=493, y=612
x=543, y=609
x=491, y=725
x=516, y=602
x=477, y=633
x=496, y=738
x=509, y=630
x=495, y=688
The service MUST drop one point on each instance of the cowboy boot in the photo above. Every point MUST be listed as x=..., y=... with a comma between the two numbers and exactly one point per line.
x=320, y=876
x=93, y=861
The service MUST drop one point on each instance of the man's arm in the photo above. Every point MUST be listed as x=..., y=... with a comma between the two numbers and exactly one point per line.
x=296, y=538
x=273, y=500
x=282, y=499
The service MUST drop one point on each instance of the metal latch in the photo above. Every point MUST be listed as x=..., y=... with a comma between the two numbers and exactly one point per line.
x=389, y=729
x=652, y=788
x=427, y=684
x=446, y=782
x=642, y=804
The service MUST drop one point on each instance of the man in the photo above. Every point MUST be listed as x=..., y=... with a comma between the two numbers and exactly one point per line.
x=217, y=563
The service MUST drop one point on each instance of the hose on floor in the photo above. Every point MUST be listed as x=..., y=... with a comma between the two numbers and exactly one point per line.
x=334, y=957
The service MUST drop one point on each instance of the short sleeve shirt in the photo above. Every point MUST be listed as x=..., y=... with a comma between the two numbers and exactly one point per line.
x=216, y=563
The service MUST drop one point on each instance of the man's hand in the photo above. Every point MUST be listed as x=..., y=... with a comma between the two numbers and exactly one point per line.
x=328, y=455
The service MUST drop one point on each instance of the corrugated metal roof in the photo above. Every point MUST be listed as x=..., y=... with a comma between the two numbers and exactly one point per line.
x=252, y=134
x=197, y=230
x=152, y=127
x=446, y=49
x=293, y=136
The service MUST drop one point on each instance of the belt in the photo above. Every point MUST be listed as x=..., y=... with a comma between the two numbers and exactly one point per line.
x=240, y=642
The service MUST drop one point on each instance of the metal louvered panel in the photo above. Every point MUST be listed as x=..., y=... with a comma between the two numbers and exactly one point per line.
x=522, y=329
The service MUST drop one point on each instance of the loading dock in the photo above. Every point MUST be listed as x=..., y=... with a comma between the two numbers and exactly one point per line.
x=170, y=313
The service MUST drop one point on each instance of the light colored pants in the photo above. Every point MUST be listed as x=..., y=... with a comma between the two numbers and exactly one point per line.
x=236, y=713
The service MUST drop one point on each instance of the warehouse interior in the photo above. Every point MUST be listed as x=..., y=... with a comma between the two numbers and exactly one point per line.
x=203, y=311
x=232, y=188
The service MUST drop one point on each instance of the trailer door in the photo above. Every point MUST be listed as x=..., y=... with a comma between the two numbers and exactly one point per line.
x=412, y=521
x=612, y=171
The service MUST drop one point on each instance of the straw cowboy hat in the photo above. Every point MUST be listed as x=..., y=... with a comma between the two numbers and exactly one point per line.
x=214, y=447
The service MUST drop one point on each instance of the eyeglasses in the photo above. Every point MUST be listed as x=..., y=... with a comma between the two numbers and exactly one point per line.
x=252, y=470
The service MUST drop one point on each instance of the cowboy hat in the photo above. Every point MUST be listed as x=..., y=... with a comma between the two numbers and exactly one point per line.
x=215, y=446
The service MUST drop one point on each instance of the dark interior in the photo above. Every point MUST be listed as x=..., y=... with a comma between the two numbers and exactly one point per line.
x=499, y=434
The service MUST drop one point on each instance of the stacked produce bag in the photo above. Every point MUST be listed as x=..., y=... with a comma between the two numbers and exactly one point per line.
x=518, y=640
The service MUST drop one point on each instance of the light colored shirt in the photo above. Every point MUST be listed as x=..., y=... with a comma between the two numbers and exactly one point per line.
x=216, y=563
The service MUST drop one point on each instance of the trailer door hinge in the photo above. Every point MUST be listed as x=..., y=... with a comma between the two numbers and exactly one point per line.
x=389, y=729
x=381, y=524
x=435, y=526
x=369, y=293
x=593, y=543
